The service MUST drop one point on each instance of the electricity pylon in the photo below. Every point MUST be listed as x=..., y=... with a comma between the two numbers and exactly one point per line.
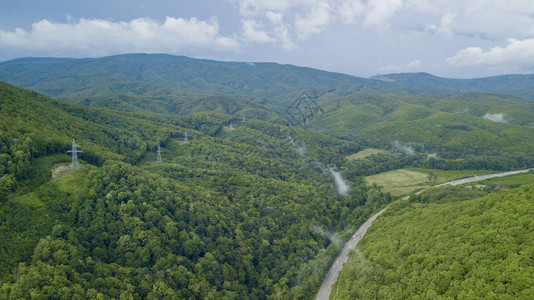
x=75, y=163
x=159, y=155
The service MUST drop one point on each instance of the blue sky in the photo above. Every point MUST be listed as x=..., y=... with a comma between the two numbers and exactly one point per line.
x=451, y=38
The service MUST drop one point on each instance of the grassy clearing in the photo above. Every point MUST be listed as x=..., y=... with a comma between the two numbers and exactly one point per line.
x=365, y=153
x=73, y=180
x=403, y=181
x=67, y=183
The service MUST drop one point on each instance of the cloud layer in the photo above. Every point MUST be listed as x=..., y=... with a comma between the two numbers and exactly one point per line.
x=95, y=37
x=437, y=36
x=301, y=20
x=484, y=18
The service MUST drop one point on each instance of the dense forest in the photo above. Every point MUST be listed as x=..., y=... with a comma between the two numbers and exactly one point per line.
x=448, y=243
x=224, y=216
x=261, y=182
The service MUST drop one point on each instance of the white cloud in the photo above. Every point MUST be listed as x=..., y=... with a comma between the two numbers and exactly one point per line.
x=518, y=53
x=448, y=17
x=314, y=22
x=252, y=33
x=255, y=7
x=282, y=34
x=478, y=18
x=350, y=11
x=95, y=37
x=446, y=26
x=379, y=12
x=274, y=17
x=414, y=64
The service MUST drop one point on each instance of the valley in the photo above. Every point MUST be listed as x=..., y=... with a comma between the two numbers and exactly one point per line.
x=266, y=171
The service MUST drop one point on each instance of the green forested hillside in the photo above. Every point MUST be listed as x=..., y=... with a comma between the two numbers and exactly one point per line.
x=34, y=125
x=157, y=75
x=446, y=245
x=424, y=83
x=453, y=126
x=253, y=208
x=242, y=213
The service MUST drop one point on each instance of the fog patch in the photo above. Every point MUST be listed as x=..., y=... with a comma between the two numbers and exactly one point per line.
x=330, y=236
x=495, y=117
x=403, y=148
x=342, y=186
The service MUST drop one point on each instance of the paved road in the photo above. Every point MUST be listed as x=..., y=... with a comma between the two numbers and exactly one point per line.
x=331, y=277
x=475, y=178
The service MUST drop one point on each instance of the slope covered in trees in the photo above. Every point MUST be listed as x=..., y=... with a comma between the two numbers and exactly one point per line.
x=157, y=75
x=454, y=126
x=424, y=83
x=244, y=208
x=448, y=243
x=239, y=213
x=34, y=125
x=371, y=111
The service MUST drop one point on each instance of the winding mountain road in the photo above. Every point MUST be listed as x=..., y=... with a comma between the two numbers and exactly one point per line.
x=331, y=276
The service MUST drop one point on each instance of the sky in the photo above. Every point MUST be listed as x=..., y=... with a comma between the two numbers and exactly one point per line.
x=448, y=38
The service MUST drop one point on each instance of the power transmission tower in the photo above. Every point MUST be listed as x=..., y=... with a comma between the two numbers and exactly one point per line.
x=75, y=163
x=159, y=155
x=185, y=136
x=243, y=118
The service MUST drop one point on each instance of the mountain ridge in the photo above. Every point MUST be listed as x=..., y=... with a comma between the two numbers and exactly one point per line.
x=234, y=77
x=422, y=82
x=58, y=77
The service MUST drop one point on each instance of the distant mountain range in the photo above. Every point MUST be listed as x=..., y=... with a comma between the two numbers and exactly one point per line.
x=420, y=83
x=419, y=108
x=160, y=75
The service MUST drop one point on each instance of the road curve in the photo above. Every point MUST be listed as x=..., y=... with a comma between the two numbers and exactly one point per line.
x=331, y=277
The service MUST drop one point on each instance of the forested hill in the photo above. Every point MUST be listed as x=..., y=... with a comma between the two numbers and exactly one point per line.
x=448, y=243
x=424, y=83
x=254, y=204
x=157, y=75
x=160, y=75
x=247, y=211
